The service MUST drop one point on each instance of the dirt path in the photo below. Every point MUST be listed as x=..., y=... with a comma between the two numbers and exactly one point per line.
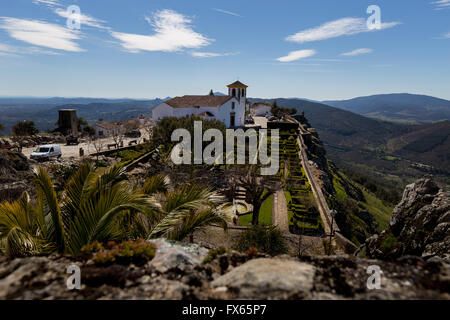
x=279, y=212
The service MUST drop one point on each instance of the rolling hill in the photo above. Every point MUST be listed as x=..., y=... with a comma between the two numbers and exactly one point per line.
x=401, y=107
x=396, y=152
x=45, y=113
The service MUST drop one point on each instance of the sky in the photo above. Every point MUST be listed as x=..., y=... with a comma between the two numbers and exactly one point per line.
x=315, y=49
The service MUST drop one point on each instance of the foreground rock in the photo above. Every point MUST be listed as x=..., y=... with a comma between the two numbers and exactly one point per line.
x=178, y=272
x=419, y=225
x=263, y=278
x=15, y=175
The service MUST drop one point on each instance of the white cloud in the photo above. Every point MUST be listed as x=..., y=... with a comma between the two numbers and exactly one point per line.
x=447, y=36
x=297, y=55
x=198, y=54
x=50, y=3
x=173, y=32
x=42, y=34
x=357, y=52
x=337, y=28
x=13, y=51
x=441, y=4
x=7, y=50
x=83, y=18
x=228, y=12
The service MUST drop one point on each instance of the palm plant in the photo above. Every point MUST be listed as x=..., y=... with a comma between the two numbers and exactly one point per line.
x=100, y=205
x=186, y=210
x=88, y=210
x=22, y=230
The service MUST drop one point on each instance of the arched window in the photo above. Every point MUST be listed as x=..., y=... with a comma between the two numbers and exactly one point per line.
x=243, y=92
x=233, y=93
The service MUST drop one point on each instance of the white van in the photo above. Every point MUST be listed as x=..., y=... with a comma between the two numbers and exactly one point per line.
x=46, y=152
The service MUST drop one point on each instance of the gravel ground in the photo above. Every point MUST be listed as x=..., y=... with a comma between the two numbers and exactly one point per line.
x=74, y=151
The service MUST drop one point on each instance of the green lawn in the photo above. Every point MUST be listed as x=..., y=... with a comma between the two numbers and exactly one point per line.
x=265, y=214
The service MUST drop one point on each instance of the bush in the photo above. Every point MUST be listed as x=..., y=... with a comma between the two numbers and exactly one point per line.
x=267, y=239
x=25, y=128
x=388, y=243
x=212, y=254
x=137, y=252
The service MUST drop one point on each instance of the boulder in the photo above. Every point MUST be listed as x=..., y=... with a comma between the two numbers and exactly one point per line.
x=268, y=279
x=419, y=225
x=171, y=255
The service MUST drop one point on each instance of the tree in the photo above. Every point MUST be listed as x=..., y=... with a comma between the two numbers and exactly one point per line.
x=148, y=128
x=98, y=144
x=118, y=138
x=280, y=112
x=90, y=131
x=24, y=128
x=162, y=133
x=81, y=123
x=258, y=189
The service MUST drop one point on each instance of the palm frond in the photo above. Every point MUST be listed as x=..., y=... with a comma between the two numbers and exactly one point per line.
x=50, y=206
x=156, y=184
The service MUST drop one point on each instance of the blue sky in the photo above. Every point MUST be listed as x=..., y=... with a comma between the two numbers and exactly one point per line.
x=156, y=48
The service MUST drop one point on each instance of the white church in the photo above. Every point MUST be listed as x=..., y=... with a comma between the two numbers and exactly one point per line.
x=229, y=109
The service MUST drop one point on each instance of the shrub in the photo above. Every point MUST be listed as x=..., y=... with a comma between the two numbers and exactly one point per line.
x=92, y=247
x=137, y=252
x=25, y=128
x=388, y=243
x=212, y=254
x=267, y=239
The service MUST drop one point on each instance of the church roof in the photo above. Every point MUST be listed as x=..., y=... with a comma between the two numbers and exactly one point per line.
x=237, y=84
x=198, y=101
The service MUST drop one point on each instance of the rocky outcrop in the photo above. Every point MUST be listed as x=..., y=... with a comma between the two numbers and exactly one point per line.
x=419, y=225
x=262, y=278
x=15, y=175
x=179, y=271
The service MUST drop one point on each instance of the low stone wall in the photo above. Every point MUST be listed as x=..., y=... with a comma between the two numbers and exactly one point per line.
x=348, y=246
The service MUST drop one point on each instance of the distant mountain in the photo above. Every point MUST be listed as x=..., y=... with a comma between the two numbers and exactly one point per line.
x=56, y=100
x=375, y=147
x=340, y=127
x=428, y=144
x=45, y=115
x=400, y=107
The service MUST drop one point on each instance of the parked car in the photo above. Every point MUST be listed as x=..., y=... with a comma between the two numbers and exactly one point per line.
x=249, y=121
x=133, y=134
x=71, y=139
x=46, y=152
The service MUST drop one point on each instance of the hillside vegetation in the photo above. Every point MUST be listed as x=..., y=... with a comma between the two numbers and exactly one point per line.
x=400, y=107
x=391, y=153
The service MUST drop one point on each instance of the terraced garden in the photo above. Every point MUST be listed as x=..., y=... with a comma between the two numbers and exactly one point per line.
x=304, y=218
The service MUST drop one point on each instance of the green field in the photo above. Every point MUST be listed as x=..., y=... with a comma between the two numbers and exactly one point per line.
x=265, y=214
